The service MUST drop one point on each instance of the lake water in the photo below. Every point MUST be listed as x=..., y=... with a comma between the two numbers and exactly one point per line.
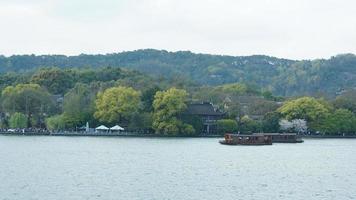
x=113, y=168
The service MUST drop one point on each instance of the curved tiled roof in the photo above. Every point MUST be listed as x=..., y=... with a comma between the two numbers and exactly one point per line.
x=202, y=109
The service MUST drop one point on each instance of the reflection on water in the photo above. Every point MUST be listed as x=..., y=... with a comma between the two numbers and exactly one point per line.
x=78, y=168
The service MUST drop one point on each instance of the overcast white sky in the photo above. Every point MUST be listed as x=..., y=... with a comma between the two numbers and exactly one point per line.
x=297, y=29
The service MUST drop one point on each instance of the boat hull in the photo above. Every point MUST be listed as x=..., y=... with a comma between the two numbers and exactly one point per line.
x=285, y=138
x=280, y=141
x=237, y=139
x=242, y=144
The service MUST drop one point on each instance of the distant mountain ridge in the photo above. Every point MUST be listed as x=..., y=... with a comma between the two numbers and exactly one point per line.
x=281, y=76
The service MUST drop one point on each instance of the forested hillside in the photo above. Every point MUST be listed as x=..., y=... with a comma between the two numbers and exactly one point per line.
x=65, y=99
x=281, y=76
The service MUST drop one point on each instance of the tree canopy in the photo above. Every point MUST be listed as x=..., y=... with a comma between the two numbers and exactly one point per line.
x=250, y=90
x=307, y=108
x=168, y=105
x=341, y=121
x=79, y=105
x=117, y=104
x=54, y=80
x=18, y=120
x=281, y=76
x=30, y=99
x=226, y=126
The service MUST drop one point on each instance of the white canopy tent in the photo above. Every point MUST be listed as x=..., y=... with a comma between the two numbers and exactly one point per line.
x=117, y=128
x=101, y=128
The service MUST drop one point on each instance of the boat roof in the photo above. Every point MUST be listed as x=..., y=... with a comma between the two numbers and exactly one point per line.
x=274, y=134
x=240, y=135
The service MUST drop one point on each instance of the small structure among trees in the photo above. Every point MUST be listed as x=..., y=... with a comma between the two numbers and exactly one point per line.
x=207, y=115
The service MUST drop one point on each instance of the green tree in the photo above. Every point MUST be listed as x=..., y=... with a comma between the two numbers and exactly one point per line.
x=342, y=121
x=268, y=95
x=281, y=76
x=56, y=81
x=308, y=108
x=117, y=104
x=78, y=105
x=226, y=126
x=18, y=120
x=270, y=123
x=141, y=122
x=346, y=101
x=248, y=125
x=30, y=99
x=148, y=98
x=168, y=106
x=236, y=88
x=195, y=121
x=56, y=122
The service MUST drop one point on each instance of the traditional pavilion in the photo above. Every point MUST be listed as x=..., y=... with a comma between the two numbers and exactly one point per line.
x=207, y=114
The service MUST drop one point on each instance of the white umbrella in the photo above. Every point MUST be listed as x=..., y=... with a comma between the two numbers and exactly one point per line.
x=117, y=128
x=102, y=127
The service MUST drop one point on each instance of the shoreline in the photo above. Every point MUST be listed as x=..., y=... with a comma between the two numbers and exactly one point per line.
x=80, y=134
x=328, y=137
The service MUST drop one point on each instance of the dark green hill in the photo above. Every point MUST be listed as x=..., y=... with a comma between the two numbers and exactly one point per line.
x=281, y=76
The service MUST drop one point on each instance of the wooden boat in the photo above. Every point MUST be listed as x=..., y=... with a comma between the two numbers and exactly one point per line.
x=283, y=137
x=237, y=139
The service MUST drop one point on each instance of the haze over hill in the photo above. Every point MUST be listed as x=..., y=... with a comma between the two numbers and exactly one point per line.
x=281, y=76
x=282, y=28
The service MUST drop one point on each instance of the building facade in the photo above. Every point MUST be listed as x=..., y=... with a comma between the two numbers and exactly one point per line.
x=207, y=114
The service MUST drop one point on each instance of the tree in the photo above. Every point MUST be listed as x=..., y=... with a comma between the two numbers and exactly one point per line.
x=346, y=101
x=342, y=121
x=55, y=123
x=307, y=108
x=195, y=121
x=226, y=126
x=168, y=105
x=55, y=80
x=235, y=88
x=296, y=125
x=270, y=123
x=141, y=121
x=117, y=104
x=248, y=125
x=281, y=76
x=286, y=125
x=78, y=105
x=30, y=99
x=18, y=120
x=300, y=125
x=268, y=95
x=148, y=98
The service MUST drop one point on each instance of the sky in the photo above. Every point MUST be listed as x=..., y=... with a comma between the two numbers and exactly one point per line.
x=294, y=29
